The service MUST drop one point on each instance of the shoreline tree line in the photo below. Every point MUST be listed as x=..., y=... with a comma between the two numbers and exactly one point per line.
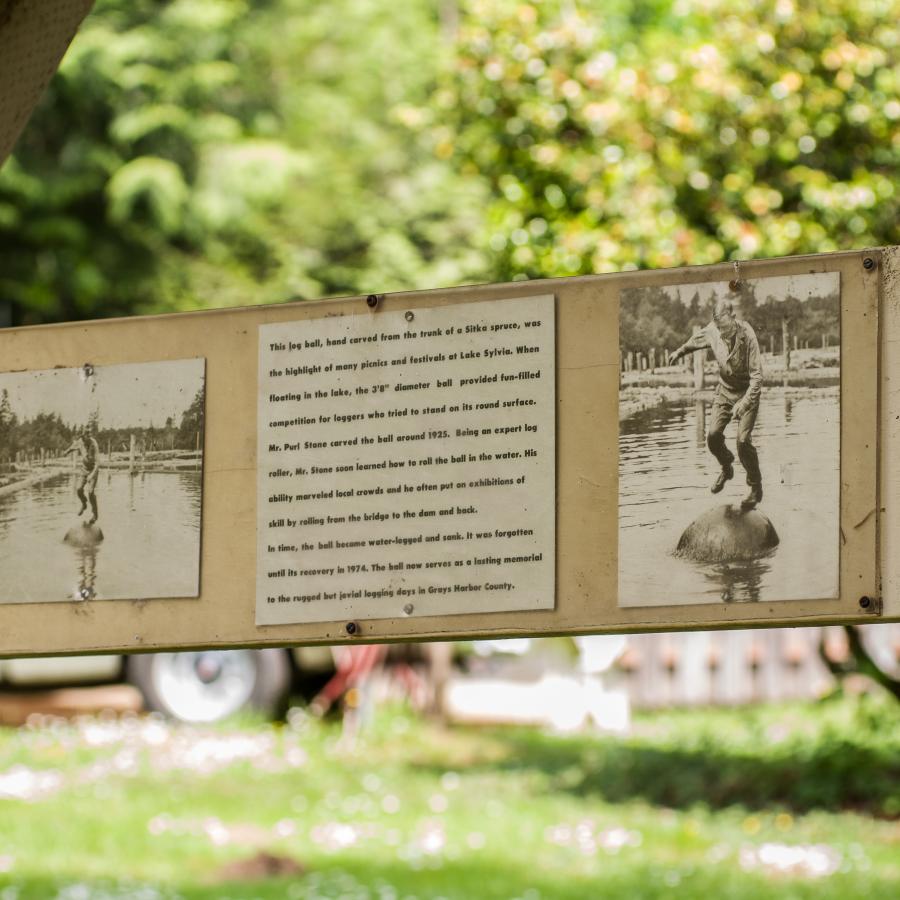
x=47, y=432
x=651, y=319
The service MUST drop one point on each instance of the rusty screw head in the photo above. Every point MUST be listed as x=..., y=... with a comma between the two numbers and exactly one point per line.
x=351, y=628
x=372, y=301
x=868, y=263
x=865, y=602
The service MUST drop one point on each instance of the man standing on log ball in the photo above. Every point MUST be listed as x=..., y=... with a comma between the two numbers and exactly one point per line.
x=87, y=452
x=733, y=342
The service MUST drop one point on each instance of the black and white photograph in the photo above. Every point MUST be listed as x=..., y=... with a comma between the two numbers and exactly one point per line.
x=101, y=472
x=729, y=441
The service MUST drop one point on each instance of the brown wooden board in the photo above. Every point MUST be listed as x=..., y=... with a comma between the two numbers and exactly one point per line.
x=34, y=35
x=586, y=391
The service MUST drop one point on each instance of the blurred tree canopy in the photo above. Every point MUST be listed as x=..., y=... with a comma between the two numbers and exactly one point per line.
x=644, y=134
x=217, y=152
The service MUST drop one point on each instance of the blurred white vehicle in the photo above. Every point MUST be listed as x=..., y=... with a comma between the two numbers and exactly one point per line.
x=193, y=686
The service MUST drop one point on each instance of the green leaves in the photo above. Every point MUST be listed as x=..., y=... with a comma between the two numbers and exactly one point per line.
x=151, y=189
x=697, y=136
x=136, y=124
x=222, y=152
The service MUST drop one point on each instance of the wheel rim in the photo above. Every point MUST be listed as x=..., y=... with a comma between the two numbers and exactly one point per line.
x=204, y=686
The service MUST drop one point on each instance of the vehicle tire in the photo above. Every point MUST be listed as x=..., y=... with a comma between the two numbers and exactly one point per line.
x=209, y=685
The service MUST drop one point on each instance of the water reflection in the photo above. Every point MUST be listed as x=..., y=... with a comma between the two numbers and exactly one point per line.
x=739, y=581
x=87, y=571
x=150, y=546
x=665, y=472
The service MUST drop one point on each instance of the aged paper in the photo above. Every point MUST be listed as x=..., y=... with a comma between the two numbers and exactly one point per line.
x=406, y=463
x=729, y=441
x=101, y=479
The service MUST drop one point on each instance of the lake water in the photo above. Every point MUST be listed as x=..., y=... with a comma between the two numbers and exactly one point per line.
x=151, y=546
x=665, y=472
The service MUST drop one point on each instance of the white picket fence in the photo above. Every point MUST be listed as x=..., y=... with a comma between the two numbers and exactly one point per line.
x=706, y=668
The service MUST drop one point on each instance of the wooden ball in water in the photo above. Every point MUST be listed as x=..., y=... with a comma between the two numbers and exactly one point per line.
x=727, y=533
x=84, y=535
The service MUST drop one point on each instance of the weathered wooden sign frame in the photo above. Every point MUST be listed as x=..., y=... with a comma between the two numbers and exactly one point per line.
x=34, y=36
x=587, y=381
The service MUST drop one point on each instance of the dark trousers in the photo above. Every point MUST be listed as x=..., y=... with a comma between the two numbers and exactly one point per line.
x=715, y=439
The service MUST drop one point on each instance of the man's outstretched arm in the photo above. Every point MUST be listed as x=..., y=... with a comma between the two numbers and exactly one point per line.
x=696, y=342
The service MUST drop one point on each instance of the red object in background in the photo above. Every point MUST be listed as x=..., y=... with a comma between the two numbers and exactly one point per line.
x=353, y=665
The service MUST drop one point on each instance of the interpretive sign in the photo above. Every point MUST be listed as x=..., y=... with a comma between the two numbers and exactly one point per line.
x=601, y=535
x=406, y=463
x=100, y=482
x=512, y=459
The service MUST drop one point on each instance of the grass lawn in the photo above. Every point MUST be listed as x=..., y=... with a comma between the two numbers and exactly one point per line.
x=797, y=801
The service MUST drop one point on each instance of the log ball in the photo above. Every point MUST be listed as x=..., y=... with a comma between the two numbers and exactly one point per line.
x=727, y=533
x=84, y=535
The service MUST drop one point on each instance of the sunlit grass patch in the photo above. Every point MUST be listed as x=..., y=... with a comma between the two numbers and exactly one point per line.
x=687, y=806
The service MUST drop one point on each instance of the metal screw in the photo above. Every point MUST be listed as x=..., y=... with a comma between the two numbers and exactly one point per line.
x=865, y=602
x=868, y=265
x=85, y=593
x=372, y=301
x=408, y=609
x=351, y=628
x=409, y=315
x=88, y=370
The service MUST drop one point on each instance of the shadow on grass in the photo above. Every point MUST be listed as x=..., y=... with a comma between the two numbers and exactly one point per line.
x=837, y=776
x=817, y=757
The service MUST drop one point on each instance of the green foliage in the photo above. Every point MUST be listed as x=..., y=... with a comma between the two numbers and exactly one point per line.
x=830, y=755
x=100, y=180
x=191, y=153
x=676, y=133
x=149, y=188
